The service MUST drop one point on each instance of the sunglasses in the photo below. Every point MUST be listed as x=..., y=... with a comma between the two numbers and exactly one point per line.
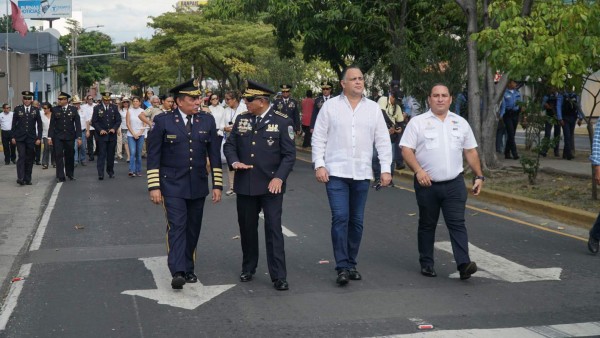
x=252, y=98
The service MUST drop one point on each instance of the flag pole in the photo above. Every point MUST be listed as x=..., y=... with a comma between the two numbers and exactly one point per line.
x=8, y=98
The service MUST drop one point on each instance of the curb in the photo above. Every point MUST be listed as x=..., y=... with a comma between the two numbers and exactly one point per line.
x=579, y=218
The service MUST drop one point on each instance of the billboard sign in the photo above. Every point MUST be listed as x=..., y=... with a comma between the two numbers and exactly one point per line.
x=37, y=9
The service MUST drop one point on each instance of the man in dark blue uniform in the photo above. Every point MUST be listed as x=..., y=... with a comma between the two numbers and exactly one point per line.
x=289, y=107
x=326, y=87
x=26, y=134
x=106, y=120
x=262, y=151
x=568, y=112
x=65, y=127
x=178, y=146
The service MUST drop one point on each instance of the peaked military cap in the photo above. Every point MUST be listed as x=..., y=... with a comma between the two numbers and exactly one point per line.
x=189, y=88
x=285, y=87
x=75, y=99
x=27, y=94
x=63, y=95
x=326, y=85
x=257, y=89
x=106, y=95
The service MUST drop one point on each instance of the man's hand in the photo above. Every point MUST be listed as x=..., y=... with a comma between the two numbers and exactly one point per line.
x=103, y=132
x=275, y=185
x=79, y=142
x=562, y=122
x=38, y=142
x=14, y=141
x=156, y=196
x=322, y=175
x=477, y=187
x=87, y=134
x=579, y=122
x=386, y=179
x=392, y=131
x=49, y=142
x=423, y=178
x=241, y=166
x=111, y=131
x=216, y=195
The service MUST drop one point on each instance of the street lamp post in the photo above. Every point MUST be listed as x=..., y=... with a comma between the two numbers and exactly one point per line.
x=74, y=37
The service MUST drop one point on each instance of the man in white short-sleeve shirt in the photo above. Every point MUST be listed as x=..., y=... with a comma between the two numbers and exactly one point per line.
x=433, y=145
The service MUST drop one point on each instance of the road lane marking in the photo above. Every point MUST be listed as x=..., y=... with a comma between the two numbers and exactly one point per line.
x=190, y=297
x=10, y=303
x=588, y=329
x=500, y=268
x=41, y=230
x=286, y=232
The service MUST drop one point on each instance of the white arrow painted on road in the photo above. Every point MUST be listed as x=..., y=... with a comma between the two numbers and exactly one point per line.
x=190, y=297
x=500, y=268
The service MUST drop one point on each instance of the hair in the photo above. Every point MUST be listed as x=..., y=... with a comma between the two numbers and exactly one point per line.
x=440, y=84
x=153, y=97
x=309, y=93
x=235, y=94
x=47, y=104
x=346, y=71
x=135, y=98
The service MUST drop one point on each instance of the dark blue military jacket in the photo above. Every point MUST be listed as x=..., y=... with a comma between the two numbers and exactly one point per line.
x=290, y=109
x=177, y=161
x=64, y=125
x=106, y=119
x=26, y=126
x=269, y=148
x=316, y=108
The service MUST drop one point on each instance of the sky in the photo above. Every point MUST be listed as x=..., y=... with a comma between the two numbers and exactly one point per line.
x=123, y=20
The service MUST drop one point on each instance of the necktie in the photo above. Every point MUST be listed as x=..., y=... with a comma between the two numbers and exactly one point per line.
x=188, y=124
x=258, y=118
x=27, y=110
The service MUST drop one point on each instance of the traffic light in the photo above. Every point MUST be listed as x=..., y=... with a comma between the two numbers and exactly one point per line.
x=124, y=52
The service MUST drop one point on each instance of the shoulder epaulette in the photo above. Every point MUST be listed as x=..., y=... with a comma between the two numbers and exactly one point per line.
x=281, y=114
x=244, y=113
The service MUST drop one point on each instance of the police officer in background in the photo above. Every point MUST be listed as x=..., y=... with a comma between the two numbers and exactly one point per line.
x=262, y=151
x=549, y=106
x=509, y=113
x=26, y=134
x=178, y=146
x=106, y=120
x=289, y=107
x=326, y=87
x=568, y=112
x=65, y=127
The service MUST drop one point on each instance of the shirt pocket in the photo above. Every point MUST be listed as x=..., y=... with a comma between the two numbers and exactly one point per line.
x=458, y=139
x=168, y=139
x=432, y=140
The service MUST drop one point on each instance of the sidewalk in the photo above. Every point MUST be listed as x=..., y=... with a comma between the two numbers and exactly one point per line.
x=21, y=208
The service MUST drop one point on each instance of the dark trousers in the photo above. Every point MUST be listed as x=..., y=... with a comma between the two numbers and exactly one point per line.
x=65, y=161
x=500, y=137
x=347, y=200
x=10, y=150
x=511, y=120
x=106, y=154
x=568, y=131
x=451, y=197
x=26, y=151
x=184, y=220
x=548, y=132
x=90, y=145
x=248, y=208
x=307, y=136
x=595, y=230
x=38, y=153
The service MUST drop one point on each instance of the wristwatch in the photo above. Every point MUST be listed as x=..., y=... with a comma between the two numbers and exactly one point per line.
x=482, y=178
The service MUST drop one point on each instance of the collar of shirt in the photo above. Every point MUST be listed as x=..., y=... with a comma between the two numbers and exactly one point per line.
x=184, y=117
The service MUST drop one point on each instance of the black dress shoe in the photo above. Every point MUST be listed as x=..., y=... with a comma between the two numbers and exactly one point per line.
x=71, y=178
x=111, y=175
x=245, y=277
x=20, y=182
x=354, y=275
x=508, y=157
x=343, y=277
x=593, y=245
x=58, y=180
x=178, y=281
x=467, y=269
x=428, y=271
x=516, y=157
x=281, y=285
x=38, y=163
x=191, y=277
x=100, y=178
x=28, y=183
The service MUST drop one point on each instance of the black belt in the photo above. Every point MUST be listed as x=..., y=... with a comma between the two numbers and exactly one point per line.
x=450, y=180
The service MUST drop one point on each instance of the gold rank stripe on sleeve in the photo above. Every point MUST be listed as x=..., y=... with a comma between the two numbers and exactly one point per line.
x=281, y=114
x=217, y=176
x=153, y=179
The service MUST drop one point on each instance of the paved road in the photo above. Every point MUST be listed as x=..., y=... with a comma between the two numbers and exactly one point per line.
x=582, y=141
x=97, y=281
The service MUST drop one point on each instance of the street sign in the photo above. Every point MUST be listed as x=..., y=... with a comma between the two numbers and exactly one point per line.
x=190, y=297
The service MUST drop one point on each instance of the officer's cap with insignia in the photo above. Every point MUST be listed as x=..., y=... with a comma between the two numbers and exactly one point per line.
x=106, y=95
x=27, y=95
x=285, y=87
x=75, y=100
x=255, y=89
x=188, y=88
x=63, y=95
x=326, y=85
